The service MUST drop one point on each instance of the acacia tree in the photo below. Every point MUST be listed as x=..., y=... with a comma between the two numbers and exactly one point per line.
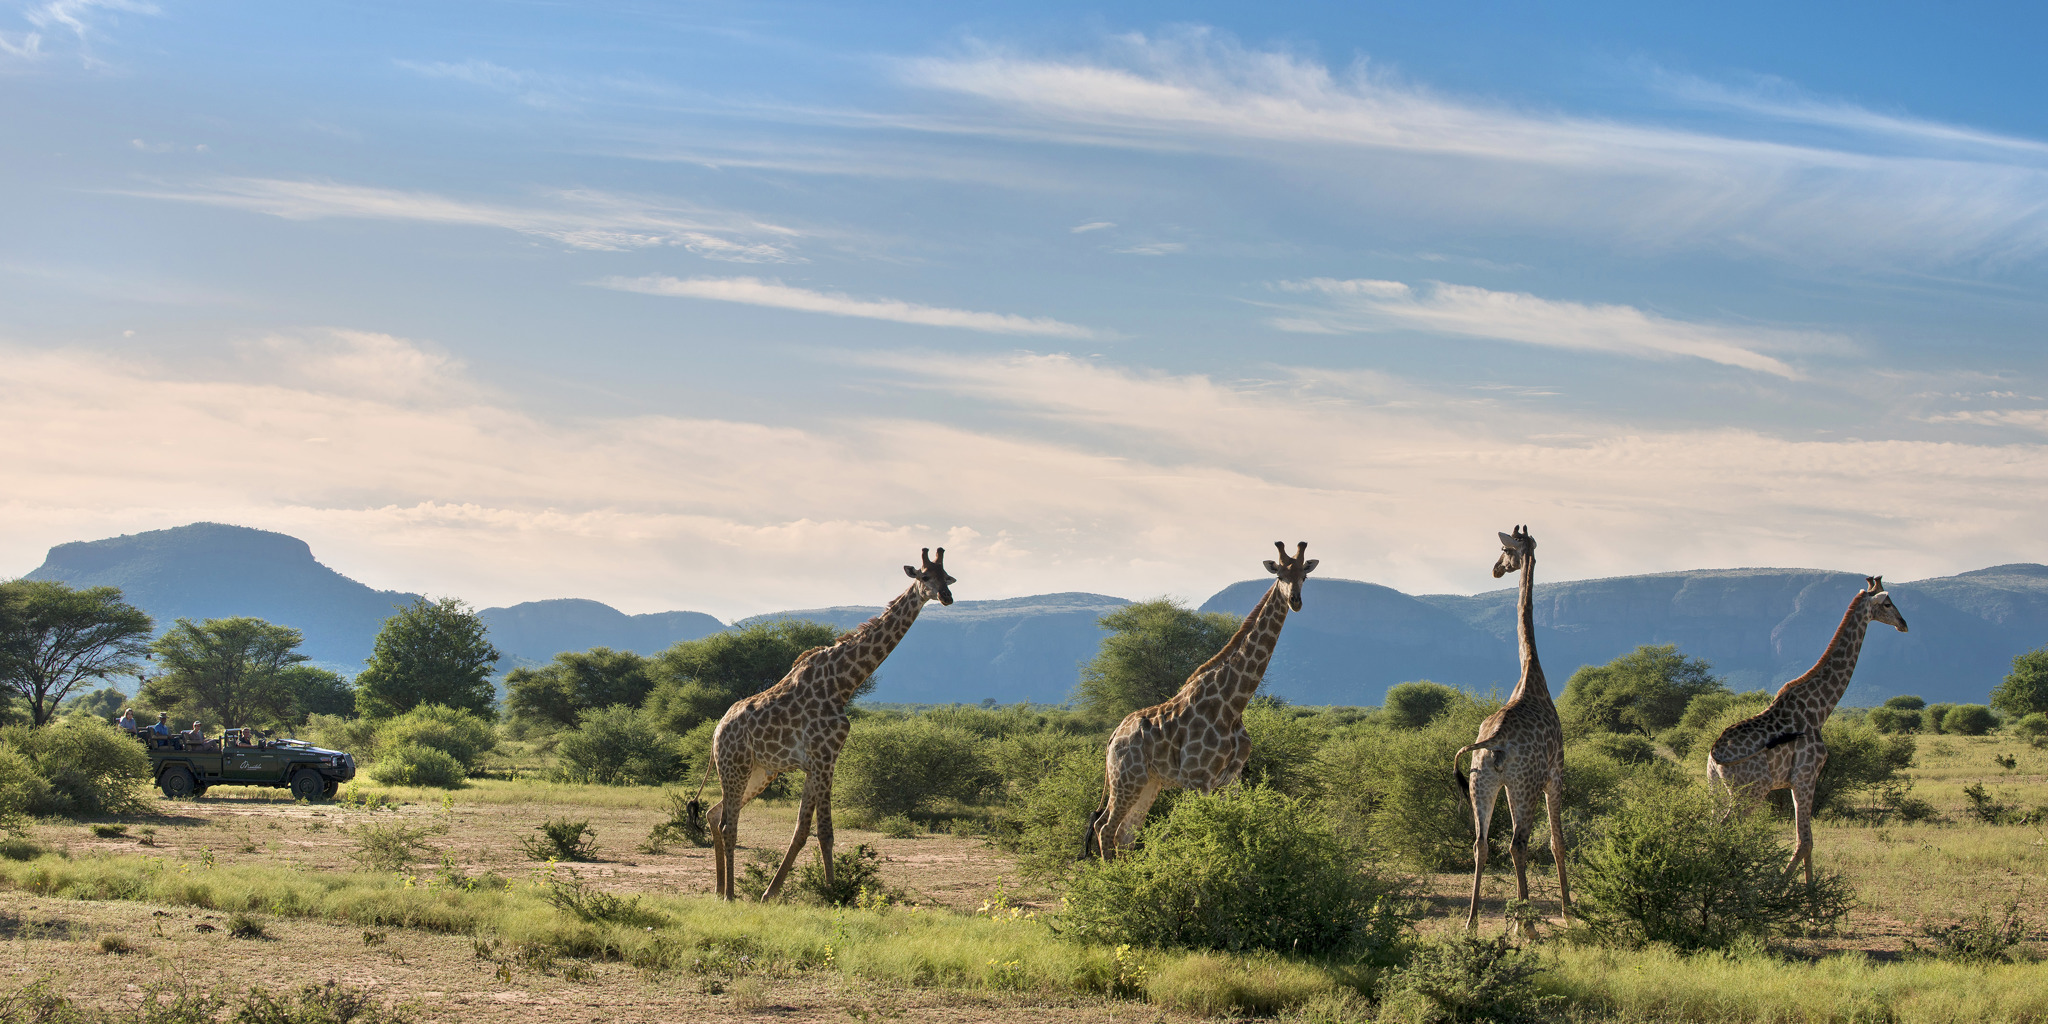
x=2025, y=689
x=577, y=682
x=431, y=652
x=52, y=638
x=1151, y=649
x=1644, y=691
x=233, y=670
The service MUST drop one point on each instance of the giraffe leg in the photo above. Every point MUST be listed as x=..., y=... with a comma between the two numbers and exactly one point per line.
x=1484, y=790
x=824, y=777
x=725, y=836
x=1553, y=799
x=1134, y=816
x=796, y=842
x=1522, y=816
x=1802, y=820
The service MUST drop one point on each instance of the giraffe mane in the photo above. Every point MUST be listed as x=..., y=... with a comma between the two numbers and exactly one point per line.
x=1236, y=640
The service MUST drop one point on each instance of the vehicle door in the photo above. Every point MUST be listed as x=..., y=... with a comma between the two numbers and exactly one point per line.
x=251, y=764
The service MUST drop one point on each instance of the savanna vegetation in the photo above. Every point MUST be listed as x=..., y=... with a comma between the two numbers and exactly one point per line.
x=542, y=850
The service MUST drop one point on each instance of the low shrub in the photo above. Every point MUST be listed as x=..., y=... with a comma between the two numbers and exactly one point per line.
x=561, y=839
x=460, y=734
x=571, y=895
x=617, y=746
x=1668, y=866
x=356, y=736
x=1466, y=979
x=412, y=764
x=80, y=766
x=1889, y=720
x=854, y=872
x=1985, y=937
x=1242, y=869
x=1395, y=791
x=1905, y=702
x=1968, y=720
x=391, y=846
x=681, y=826
x=1625, y=747
x=2033, y=728
x=903, y=767
x=1933, y=714
x=1045, y=820
x=1284, y=745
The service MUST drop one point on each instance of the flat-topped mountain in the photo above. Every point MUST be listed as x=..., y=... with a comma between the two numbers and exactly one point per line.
x=1352, y=640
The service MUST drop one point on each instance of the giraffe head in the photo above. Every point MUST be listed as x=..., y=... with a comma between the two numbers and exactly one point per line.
x=932, y=578
x=1516, y=549
x=1878, y=605
x=1291, y=571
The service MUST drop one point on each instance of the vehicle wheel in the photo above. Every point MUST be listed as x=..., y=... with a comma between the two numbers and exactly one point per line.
x=177, y=783
x=199, y=790
x=308, y=785
x=333, y=787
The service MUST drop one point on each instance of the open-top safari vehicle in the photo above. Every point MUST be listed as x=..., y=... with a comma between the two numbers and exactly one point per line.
x=244, y=757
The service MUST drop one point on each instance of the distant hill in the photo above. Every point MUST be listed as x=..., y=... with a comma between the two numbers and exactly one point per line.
x=210, y=571
x=1352, y=640
x=1758, y=628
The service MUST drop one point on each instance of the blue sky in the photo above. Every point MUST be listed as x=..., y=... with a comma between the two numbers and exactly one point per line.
x=733, y=307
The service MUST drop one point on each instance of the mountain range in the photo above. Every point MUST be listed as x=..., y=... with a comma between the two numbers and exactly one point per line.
x=1352, y=640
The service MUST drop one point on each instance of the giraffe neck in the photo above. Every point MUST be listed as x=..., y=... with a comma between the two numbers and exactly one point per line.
x=1235, y=672
x=848, y=663
x=1821, y=688
x=1532, y=684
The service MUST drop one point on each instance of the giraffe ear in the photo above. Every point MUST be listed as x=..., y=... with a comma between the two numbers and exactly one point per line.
x=1272, y=567
x=910, y=571
x=1506, y=541
x=1310, y=566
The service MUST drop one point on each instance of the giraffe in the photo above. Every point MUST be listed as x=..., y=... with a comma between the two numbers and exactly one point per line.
x=1521, y=747
x=1780, y=747
x=800, y=724
x=1196, y=738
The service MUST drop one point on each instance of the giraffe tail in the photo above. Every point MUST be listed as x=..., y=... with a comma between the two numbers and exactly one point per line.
x=1458, y=774
x=1089, y=846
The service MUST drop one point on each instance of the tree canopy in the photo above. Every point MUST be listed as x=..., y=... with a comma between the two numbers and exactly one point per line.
x=1644, y=691
x=2025, y=689
x=431, y=652
x=1151, y=649
x=229, y=672
x=1414, y=705
x=697, y=680
x=52, y=638
x=575, y=683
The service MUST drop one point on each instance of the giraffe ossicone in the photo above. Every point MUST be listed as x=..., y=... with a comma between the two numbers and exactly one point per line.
x=1196, y=738
x=800, y=724
x=1520, y=747
x=1780, y=747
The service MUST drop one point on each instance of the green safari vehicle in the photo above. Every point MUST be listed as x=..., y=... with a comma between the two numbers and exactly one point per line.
x=242, y=758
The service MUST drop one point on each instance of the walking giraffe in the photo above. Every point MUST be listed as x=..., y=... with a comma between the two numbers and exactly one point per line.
x=1780, y=747
x=1196, y=738
x=799, y=724
x=1520, y=747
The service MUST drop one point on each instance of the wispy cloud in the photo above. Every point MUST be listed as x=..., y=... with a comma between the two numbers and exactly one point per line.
x=532, y=88
x=1439, y=308
x=1093, y=225
x=1153, y=249
x=78, y=20
x=754, y=291
x=1916, y=196
x=580, y=219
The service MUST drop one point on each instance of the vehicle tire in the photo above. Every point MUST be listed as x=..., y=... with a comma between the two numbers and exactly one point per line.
x=178, y=783
x=308, y=785
x=199, y=790
x=332, y=788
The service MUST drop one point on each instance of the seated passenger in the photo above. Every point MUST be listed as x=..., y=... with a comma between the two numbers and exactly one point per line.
x=127, y=721
x=163, y=724
x=195, y=737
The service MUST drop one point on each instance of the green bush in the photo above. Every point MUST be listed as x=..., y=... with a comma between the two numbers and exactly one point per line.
x=561, y=839
x=1414, y=705
x=903, y=767
x=2033, y=728
x=413, y=764
x=460, y=734
x=2024, y=690
x=1150, y=650
x=85, y=767
x=1396, y=791
x=1284, y=745
x=1645, y=691
x=1932, y=714
x=1045, y=819
x=1969, y=720
x=695, y=681
x=1466, y=979
x=618, y=747
x=1892, y=721
x=1668, y=866
x=1906, y=702
x=1241, y=869
x=356, y=736
x=1626, y=748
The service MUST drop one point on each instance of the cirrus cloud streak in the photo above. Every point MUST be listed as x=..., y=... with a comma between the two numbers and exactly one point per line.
x=753, y=291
